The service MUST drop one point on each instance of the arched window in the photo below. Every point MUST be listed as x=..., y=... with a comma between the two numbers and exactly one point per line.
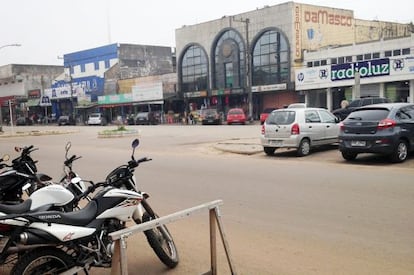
x=270, y=59
x=229, y=69
x=194, y=75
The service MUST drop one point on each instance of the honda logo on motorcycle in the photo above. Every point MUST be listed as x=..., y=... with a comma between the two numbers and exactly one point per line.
x=50, y=217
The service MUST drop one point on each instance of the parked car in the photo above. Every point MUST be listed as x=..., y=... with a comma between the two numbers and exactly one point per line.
x=236, y=115
x=66, y=120
x=342, y=113
x=146, y=118
x=97, y=119
x=297, y=105
x=20, y=121
x=265, y=114
x=386, y=129
x=299, y=128
x=210, y=116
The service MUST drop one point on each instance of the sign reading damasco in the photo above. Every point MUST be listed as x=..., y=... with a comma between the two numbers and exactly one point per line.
x=370, y=68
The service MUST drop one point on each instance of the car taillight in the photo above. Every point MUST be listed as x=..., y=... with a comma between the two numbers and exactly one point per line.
x=386, y=123
x=263, y=129
x=341, y=126
x=295, y=129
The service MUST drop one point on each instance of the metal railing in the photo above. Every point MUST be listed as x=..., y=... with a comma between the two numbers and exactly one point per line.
x=120, y=261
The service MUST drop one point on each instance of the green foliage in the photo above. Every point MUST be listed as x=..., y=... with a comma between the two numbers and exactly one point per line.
x=121, y=128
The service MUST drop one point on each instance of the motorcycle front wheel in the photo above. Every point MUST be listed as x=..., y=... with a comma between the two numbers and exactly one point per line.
x=43, y=261
x=161, y=242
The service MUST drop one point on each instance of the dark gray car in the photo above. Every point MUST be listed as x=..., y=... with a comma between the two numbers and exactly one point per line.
x=363, y=101
x=386, y=129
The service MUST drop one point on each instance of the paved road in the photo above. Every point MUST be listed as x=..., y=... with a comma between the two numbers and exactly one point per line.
x=282, y=214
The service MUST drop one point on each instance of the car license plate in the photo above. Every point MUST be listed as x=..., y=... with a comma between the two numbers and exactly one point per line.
x=276, y=142
x=358, y=143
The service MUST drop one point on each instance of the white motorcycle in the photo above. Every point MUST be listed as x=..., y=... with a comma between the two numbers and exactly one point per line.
x=51, y=242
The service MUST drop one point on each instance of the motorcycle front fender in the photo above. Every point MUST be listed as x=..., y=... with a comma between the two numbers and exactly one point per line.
x=138, y=213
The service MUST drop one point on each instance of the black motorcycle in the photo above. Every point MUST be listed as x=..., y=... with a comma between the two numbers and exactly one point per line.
x=21, y=176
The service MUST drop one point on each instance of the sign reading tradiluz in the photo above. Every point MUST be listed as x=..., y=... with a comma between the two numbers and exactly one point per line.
x=370, y=68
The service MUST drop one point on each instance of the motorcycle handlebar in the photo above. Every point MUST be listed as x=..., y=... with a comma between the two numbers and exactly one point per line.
x=144, y=159
x=90, y=189
x=135, y=163
x=28, y=150
x=71, y=159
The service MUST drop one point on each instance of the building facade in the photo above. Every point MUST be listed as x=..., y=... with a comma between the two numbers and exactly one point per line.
x=383, y=68
x=248, y=60
x=22, y=90
x=94, y=79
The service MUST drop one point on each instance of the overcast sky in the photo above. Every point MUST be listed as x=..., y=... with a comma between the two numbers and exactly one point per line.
x=47, y=29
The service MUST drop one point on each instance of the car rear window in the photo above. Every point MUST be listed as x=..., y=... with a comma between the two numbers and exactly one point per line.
x=369, y=114
x=281, y=117
x=235, y=112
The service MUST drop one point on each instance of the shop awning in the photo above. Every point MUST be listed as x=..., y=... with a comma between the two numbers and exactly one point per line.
x=149, y=102
x=86, y=106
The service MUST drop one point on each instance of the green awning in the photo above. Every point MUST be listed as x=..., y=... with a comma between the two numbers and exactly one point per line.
x=33, y=102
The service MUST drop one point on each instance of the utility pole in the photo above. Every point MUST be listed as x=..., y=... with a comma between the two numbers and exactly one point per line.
x=1, y=114
x=246, y=21
x=69, y=78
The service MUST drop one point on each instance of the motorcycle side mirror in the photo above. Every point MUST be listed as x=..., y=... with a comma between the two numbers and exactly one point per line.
x=5, y=158
x=135, y=143
x=17, y=149
x=67, y=147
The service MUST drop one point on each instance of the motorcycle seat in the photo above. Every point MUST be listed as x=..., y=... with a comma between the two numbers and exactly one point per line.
x=16, y=208
x=80, y=217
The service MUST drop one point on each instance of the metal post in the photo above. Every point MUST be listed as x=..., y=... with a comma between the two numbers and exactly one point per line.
x=357, y=86
x=1, y=115
x=249, y=71
x=213, y=244
x=248, y=76
x=11, y=117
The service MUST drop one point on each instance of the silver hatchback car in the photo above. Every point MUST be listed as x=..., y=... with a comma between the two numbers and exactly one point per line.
x=300, y=128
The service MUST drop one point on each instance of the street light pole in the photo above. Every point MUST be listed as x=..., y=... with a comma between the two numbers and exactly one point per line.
x=10, y=45
x=1, y=112
x=246, y=21
x=69, y=78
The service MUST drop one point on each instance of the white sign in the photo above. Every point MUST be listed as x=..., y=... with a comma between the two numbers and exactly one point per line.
x=45, y=101
x=147, y=92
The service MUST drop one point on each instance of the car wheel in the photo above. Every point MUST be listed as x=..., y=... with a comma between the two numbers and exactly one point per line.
x=304, y=148
x=401, y=152
x=349, y=156
x=269, y=150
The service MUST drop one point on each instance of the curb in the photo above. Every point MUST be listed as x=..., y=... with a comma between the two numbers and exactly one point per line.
x=117, y=134
x=246, y=147
x=35, y=133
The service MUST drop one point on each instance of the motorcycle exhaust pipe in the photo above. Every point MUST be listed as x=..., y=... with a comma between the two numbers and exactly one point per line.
x=20, y=248
x=28, y=238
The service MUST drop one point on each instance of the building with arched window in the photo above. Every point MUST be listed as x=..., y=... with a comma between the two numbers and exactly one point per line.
x=249, y=60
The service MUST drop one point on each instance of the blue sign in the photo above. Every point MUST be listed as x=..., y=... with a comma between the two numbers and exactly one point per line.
x=370, y=68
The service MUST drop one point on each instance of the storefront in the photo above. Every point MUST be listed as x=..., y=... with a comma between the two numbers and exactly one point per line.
x=326, y=86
